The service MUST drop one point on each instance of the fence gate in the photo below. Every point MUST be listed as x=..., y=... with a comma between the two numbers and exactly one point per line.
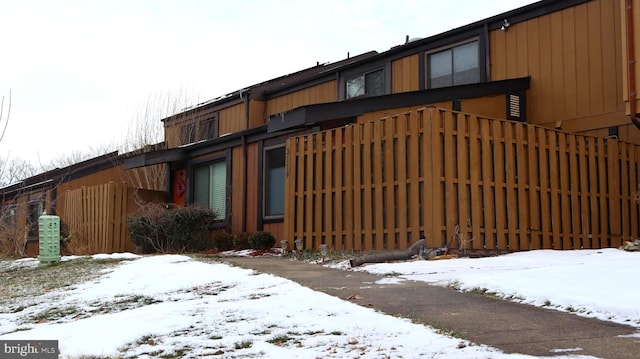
x=98, y=216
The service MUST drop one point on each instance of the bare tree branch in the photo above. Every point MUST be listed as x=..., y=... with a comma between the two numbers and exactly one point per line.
x=6, y=120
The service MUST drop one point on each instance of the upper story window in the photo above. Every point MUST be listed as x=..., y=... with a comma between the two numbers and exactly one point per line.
x=187, y=134
x=207, y=129
x=370, y=83
x=457, y=65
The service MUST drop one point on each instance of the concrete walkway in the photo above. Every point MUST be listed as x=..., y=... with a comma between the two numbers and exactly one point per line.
x=510, y=327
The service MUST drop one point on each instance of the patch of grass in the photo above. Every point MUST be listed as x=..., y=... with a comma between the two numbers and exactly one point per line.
x=245, y=344
x=337, y=332
x=215, y=337
x=177, y=353
x=313, y=332
x=28, y=282
x=450, y=333
x=546, y=303
x=392, y=274
x=55, y=314
x=280, y=339
x=570, y=309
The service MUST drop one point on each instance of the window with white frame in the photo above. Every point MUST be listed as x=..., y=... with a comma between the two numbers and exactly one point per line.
x=370, y=83
x=210, y=187
x=457, y=65
x=274, y=178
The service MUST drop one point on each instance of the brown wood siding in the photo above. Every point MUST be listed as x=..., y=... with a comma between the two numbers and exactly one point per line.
x=493, y=107
x=252, y=187
x=232, y=119
x=404, y=74
x=322, y=93
x=237, y=192
x=172, y=136
x=277, y=229
x=257, y=111
x=572, y=57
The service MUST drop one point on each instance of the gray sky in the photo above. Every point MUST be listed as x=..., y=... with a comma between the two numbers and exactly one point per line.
x=81, y=70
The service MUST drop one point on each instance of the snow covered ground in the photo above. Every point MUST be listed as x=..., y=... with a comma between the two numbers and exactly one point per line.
x=178, y=306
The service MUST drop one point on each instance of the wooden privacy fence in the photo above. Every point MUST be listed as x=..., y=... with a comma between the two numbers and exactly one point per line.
x=98, y=216
x=470, y=182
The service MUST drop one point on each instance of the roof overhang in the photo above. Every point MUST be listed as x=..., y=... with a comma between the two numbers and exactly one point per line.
x=314, y=114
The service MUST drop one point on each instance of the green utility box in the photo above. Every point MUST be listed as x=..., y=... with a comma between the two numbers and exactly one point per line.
x=49, y=228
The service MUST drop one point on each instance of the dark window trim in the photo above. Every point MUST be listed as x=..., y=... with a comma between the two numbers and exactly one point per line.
x=481, y=58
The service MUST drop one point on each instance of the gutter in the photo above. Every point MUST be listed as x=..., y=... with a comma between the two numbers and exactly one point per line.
x=631, y=62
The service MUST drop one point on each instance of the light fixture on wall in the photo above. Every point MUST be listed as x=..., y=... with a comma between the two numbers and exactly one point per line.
x=505, y=25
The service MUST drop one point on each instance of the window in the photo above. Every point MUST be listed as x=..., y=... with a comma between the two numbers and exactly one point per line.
x=210, y=187
x=8, y=215
x=274, y=177
x=458, y=65
x=187, y=134
x=207, y=129
x=371, y=84
x=35, y=211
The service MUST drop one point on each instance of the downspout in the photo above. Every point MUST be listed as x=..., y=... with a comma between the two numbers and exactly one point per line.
x=244, y=162
x=631, y=62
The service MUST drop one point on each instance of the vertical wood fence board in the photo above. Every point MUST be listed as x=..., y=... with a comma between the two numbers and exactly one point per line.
x=556, y=210
x=499, y=178
x=574, y=175
x=308, y=211
x=604, y=235
x=415, y=159
x=339, y=207
x=585, y=219
x=625, y=192
x=613, y=180
x=301, y=173
x=329, y=188
x=475, y=161
x=402, y=183
x=522, y=186
x=350, y=203
x=318, y=192
x=534, y=189
x=512, y=214
x=391, y=156
x=565, y=203
x=450, y=162
x=377, y=166
x=545, y=210
x=488, y=186
x=367, y=173
x=594, y=235
x=357, y=188
x=464, y=211
x=431, y=215
x=633, y=187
